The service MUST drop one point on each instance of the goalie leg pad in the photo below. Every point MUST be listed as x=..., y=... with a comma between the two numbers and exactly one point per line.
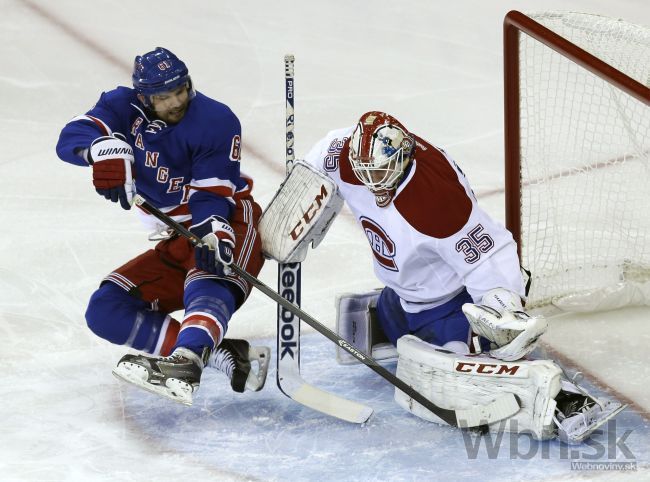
x=459, y=382
x=356, y=322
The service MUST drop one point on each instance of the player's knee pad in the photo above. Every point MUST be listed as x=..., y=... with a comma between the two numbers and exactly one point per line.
x=455, y=381
x=106, y=307
x=356, y=322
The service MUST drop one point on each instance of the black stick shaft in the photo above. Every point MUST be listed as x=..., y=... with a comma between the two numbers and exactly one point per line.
x=447, y=415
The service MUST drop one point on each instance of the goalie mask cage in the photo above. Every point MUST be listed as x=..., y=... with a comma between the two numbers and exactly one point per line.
x=577, y=145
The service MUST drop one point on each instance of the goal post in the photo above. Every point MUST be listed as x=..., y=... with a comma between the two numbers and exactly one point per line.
x=577, y=157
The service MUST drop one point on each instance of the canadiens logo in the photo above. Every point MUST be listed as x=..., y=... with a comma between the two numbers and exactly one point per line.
x=382, y=246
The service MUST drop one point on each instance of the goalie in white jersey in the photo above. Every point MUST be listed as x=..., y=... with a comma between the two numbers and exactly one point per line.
x=433, y=247
x=453, y=285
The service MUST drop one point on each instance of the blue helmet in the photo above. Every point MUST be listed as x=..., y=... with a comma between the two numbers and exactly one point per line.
x=159, y=71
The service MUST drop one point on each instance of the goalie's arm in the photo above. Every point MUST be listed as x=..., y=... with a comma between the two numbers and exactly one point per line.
x=498, y=313
x=484, y=256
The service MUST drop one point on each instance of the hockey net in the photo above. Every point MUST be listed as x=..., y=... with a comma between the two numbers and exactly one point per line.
x=578, y=157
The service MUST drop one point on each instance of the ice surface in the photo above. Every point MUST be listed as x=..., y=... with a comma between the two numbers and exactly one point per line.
x=435, y=65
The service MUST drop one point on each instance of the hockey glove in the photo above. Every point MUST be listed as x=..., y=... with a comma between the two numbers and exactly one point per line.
x=112, y=159
x=502, y=320
x=216, y=252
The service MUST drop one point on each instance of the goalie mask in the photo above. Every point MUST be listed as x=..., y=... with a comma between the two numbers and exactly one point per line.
x=380, y=151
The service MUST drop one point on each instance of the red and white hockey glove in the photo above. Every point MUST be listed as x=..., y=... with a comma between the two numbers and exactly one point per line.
x=216, y=252
x=112, y=160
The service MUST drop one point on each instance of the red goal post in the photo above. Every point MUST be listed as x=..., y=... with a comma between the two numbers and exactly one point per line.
x=577, y=157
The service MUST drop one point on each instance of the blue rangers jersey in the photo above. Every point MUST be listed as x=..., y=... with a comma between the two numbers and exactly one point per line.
x=190, y=170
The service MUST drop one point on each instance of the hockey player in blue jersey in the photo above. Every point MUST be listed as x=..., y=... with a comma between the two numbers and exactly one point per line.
x=182, y=150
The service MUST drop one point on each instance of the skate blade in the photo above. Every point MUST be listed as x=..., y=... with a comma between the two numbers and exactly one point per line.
x=176, y=390
x=257, y=378
x=580, y=437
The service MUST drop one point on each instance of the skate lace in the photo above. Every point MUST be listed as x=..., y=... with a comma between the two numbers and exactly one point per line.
x=223, y=361
x=580, y=408
x=174, y=357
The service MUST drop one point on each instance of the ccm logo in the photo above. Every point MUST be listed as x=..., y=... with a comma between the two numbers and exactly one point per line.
x=486, y=368
x=309, y=214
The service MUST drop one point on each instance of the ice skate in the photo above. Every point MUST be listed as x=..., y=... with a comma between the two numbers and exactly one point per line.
x=176, y=377
x=234, y=358
x=578, y=415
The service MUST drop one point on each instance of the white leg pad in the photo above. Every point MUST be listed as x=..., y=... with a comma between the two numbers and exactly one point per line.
x=460, y=382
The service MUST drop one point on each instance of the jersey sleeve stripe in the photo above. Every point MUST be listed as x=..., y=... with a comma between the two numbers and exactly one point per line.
x=103, y=127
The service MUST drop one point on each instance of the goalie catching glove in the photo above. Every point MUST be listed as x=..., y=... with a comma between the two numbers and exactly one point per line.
x=216, y=252
x=502, y=320
x=112, y=160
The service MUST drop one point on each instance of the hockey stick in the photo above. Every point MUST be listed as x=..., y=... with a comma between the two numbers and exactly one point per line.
x=288, y=377
x=505, y=406
x=289, y=275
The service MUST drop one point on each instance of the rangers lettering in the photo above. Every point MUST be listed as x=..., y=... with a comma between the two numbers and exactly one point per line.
x=175, y=184
x=163, y=174
x=151, y=159
x=139, y=142
x=136, y=124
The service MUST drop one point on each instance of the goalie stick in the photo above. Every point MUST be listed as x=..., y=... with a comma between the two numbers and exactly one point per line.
x=504, y=406
x=288, y=377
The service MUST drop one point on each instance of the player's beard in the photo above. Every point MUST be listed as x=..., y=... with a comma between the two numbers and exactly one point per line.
x=174, y=116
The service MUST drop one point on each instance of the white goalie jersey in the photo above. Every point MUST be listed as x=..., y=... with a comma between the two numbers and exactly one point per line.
x=433, y=239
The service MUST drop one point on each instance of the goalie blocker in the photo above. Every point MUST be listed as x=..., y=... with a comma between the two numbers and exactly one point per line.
x=300, y=213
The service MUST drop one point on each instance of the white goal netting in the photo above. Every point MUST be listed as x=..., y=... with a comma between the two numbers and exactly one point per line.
x=585, y=167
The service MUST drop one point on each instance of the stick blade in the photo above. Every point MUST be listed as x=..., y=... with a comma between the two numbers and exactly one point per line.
x=331, y=404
